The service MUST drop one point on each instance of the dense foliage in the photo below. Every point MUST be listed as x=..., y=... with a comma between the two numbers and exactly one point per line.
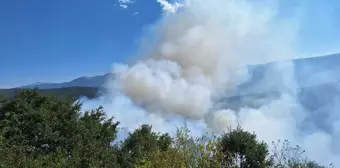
x=45, y=131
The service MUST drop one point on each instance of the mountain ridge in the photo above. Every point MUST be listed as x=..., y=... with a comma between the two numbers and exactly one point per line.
x=84, y=81
x=70, y=92
x=305, y=69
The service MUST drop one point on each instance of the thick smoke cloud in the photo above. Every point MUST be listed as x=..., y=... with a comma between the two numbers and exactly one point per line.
x=199, y=58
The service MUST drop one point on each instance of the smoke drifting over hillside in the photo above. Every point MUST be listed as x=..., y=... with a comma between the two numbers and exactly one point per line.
x=198, y=57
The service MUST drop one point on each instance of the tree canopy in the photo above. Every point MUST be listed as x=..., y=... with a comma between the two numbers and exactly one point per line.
x=45, y=131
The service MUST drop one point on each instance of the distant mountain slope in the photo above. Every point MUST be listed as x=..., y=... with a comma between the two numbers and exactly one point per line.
x=308, y=72
x=95, y=81
x=74, y=92
x=318, y=82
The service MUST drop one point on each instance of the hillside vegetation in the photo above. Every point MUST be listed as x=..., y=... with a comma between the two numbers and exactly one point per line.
x=39, y=131
x=65, y=92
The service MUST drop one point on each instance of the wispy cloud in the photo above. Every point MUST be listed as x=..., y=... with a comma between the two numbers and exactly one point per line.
x=169, y=7
x=125, y=3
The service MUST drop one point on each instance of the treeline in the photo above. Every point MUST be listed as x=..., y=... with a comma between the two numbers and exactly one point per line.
x=44, y=131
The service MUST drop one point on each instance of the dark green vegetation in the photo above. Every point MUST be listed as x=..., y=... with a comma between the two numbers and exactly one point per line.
x=66, y=92
x=46, y=131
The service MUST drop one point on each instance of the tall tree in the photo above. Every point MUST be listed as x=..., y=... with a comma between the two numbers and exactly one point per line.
x=141, y=144
x=34, y=126
x=242, y=150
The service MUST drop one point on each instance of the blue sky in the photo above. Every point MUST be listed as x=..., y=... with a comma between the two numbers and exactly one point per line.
x=49, y=40
x=58, y=40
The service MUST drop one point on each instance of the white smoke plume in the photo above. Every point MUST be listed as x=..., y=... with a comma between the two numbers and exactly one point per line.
x=198, y=57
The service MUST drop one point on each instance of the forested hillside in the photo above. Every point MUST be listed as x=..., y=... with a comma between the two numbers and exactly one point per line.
x=45, y=131
x=74, y=92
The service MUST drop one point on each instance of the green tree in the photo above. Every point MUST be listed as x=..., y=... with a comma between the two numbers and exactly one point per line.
x=242, y=150
x=187, y=152
x=141, y=144
x=203, y=151
x=38, y=129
